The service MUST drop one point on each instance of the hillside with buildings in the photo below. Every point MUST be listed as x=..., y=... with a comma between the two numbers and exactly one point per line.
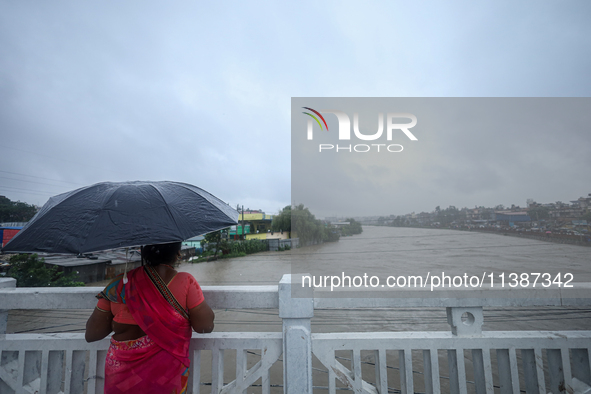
x=573, y=217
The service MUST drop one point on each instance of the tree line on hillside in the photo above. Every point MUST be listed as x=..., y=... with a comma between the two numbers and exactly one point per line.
x=447, y=216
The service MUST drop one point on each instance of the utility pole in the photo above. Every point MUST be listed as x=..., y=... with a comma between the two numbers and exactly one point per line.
x=243, y=235
x=238, y=224
x=241, y=222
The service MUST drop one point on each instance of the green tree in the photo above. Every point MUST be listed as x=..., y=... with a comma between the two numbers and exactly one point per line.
x=398, y=221
x=331, y=234
x=217, y=238
x=485, y=213
x=300, y=220
x=305, y=224
x=30, y=271
x=538, y=213
x=282, y=221
x=15, y=211
x=448, y=215
x=354, y=227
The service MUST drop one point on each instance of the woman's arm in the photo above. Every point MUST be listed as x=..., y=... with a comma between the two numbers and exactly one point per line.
x=98, y=325
x=202, y=318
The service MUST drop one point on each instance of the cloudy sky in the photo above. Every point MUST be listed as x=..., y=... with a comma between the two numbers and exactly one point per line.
x=200, y=92
x=468, y=152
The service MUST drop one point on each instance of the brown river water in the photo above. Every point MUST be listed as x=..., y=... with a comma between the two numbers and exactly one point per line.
x=382, y=252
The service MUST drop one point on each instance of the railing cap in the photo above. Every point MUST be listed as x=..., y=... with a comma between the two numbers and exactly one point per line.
x=218, y=297
x=267, y=297
x=7, y=283
x=291, y=307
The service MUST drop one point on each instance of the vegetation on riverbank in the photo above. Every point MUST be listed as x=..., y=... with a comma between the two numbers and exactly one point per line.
x=226, y=249
x=354, y=227
x=30, y=271
x=293, y=220
x=309, y=230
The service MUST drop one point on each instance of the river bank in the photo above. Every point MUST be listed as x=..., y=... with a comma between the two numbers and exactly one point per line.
x=579, y=240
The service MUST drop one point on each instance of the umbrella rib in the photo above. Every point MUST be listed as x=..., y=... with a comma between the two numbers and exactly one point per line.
x=69, y=195
x=94, y=223
x=166, y=206
x=182, y=185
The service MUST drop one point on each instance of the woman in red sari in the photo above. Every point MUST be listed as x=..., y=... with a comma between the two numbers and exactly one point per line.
x=151, y=310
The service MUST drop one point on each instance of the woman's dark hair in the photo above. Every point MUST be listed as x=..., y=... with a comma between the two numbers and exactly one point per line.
x=154, y=255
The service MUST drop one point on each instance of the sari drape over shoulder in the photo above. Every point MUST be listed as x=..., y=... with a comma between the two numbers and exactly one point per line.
x=159, y=361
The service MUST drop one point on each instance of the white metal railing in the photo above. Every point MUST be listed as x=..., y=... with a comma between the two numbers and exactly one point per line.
x=423, y=367
x=296, y=360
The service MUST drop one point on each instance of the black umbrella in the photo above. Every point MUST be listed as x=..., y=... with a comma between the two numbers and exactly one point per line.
x=112, y=215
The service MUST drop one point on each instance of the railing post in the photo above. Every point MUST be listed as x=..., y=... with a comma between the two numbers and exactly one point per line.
x=5, y=283
x=466, y=322
x=297, y=342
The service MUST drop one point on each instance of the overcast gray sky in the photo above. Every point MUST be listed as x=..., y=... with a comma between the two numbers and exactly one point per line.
x=200, y=92
x=468, y=152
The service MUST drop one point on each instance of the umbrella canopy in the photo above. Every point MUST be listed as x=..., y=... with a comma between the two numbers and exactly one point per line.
x=112, y=215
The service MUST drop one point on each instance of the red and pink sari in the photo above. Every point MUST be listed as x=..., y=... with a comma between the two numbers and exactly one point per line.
x=159, y=361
